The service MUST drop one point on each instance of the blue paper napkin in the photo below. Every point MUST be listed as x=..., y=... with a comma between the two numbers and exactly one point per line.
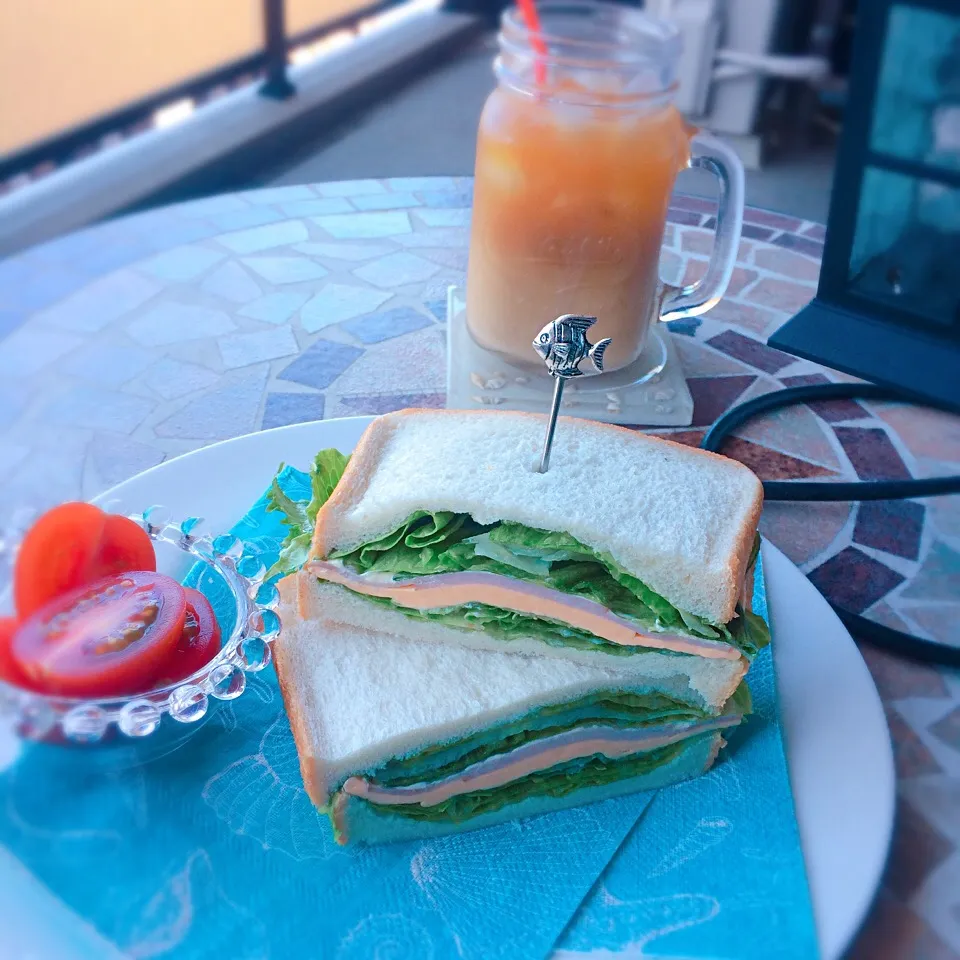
x=714, y=868
x=215, y=849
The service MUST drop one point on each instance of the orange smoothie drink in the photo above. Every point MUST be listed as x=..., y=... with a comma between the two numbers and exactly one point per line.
x=570, y=202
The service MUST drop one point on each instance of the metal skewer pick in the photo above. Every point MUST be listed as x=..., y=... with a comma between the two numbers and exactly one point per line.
x=562, y=345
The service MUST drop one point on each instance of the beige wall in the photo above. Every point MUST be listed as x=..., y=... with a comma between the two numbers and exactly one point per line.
x=63, y=62
x=303, y=14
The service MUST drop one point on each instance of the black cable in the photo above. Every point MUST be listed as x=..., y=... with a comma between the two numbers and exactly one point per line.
x=896, y=641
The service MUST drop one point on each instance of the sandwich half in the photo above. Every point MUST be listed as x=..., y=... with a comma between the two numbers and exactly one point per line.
x=631, y=551
x=403, y=739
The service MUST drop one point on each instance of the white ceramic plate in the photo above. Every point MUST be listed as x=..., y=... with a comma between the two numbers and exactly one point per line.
x=841, y=762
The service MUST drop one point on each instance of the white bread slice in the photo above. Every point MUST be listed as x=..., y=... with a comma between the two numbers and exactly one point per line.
x=679, y=519
x=355, y=697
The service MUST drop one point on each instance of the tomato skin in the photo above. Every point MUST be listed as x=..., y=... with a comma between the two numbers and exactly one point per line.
x=72, y=545
x=199, y=642
x=56, y=555
x=124, y=546
x=108, y=638
x=9, y=671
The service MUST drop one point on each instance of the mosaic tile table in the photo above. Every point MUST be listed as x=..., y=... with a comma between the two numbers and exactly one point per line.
x=143, y=338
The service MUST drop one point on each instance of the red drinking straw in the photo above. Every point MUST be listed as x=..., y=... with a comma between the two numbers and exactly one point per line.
x=528, y=9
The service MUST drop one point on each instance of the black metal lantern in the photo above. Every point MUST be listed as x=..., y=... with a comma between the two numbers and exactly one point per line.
x=888, y=305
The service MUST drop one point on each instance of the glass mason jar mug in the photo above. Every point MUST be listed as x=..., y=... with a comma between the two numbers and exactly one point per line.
x=577, y=153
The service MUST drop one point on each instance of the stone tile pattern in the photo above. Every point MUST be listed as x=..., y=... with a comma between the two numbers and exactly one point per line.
x=146, y=337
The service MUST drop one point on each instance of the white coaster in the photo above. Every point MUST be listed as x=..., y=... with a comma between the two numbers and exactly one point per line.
x=651, y=392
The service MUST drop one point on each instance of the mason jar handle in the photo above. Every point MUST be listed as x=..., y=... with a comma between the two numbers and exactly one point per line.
x=708, y=153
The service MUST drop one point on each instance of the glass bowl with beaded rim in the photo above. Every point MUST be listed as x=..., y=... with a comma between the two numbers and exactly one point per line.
x=233, y=577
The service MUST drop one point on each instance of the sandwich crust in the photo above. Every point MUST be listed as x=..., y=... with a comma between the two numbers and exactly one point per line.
x=302, y=738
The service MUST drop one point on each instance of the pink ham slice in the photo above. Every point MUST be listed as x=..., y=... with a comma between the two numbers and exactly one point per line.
x=497, y=771
x=456, y=589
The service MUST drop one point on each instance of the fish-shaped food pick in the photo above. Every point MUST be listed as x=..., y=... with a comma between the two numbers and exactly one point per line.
x=563, y=345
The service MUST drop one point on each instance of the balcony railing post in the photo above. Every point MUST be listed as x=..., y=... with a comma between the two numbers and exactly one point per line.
x=277, y=85
x=490, y=10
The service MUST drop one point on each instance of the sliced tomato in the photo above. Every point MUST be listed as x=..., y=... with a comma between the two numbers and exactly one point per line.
x=73, y=545
x=56, y=554
x=107, y=638
x=199, y=642
x=124, y=547
x=9, y=671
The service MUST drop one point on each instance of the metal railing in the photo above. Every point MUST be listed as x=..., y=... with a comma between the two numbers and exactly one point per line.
x=268, y=64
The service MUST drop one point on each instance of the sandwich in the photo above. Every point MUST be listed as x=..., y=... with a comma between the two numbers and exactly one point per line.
x=631, y=551
x=466, y=641
x=403, y=739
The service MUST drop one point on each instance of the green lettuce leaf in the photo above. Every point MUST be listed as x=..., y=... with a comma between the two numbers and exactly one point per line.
x=445, y=542
x=750, y=632
x=558, y=781
x=485, y=546
x=741, y=700
x=328, y=468
x=294, y=512
x=648, y=607
x=293, y=555
x=422, y=545
x=300, y=516
x=616, y=709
